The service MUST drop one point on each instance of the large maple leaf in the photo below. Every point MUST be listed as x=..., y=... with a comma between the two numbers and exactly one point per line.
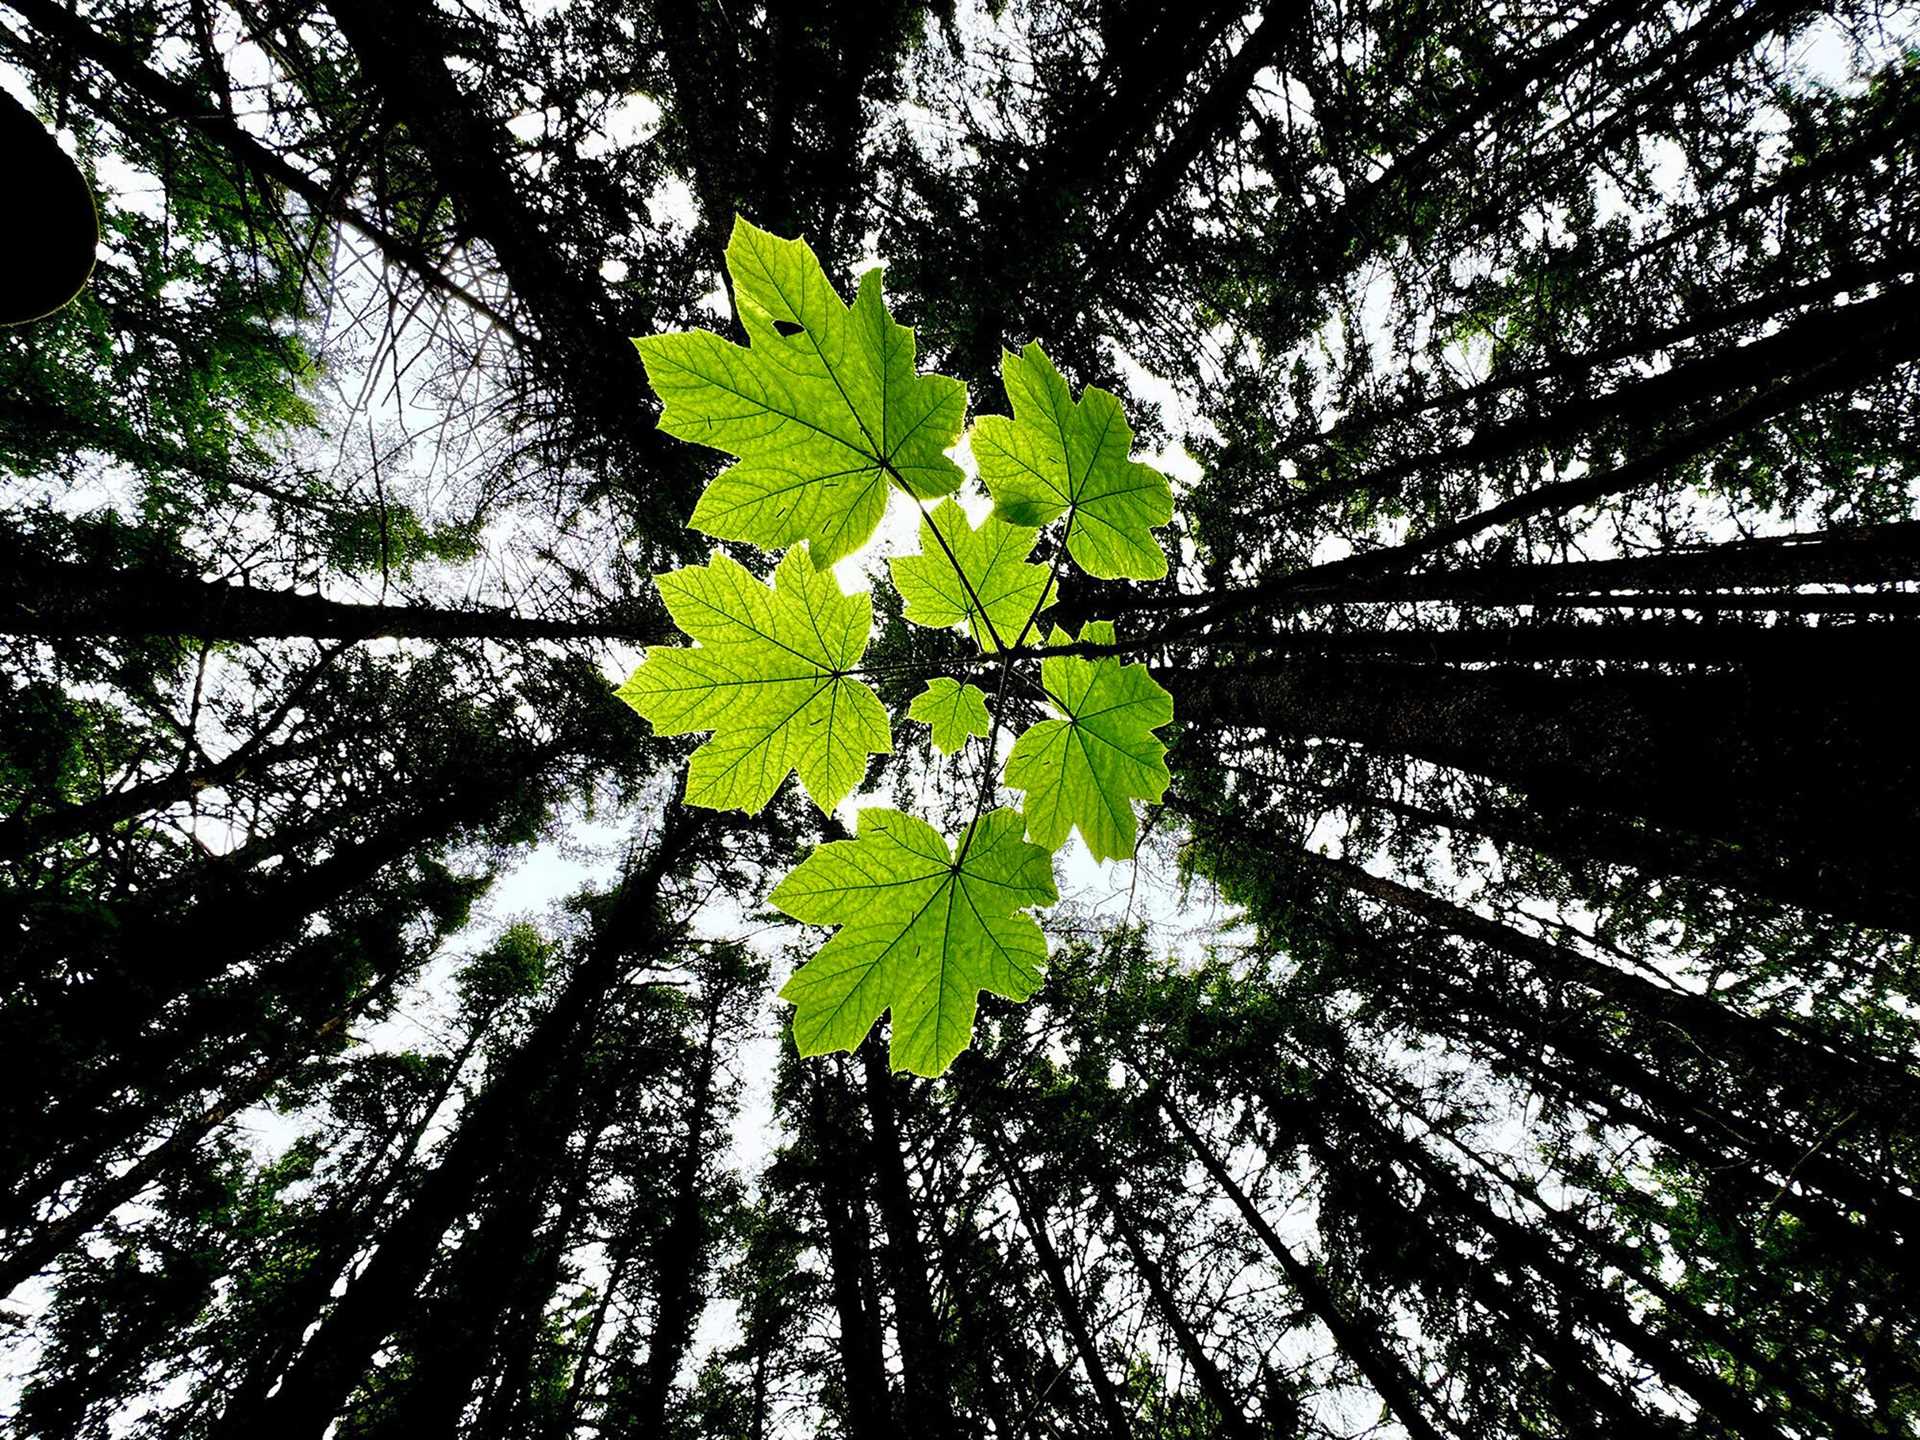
x=771, y=678
x=922, y=933
x=823, y=406
x=1058, y=456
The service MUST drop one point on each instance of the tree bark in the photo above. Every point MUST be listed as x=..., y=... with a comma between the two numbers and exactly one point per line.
x=1637, y=643
x=54, y=1239
x=1358, y=1112
x=1740, y=574
x=308, y=1293
x=1771, y=1169
x=161, y=952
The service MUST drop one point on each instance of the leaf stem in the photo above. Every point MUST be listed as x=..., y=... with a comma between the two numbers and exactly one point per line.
x=988, y=767
x=973, y=596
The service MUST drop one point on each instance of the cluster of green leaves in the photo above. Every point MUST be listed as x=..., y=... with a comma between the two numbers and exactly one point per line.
x=828, y=419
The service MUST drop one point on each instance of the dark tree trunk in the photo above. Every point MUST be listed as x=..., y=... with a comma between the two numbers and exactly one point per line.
x=1638, y=643
x=1769, y=1167
x=161, y=951
x=503, y=1264
x=683, y=1245
x=1739, y=574
x=307, y=1296
x=923, y=1359
x=63, y=598
x=505, y=1117
x=401, y=54
x=1786, y=1054
x=1574, y=369
x=23, y=835
x=1569, y=1272
x=839, y=1166
x=1589, y=1393
x=55, y=1238
x=1361, y=1340
x=1282, y=27
x=1586, y=838
x=1033, y=1219
x=1810, y=768
x=1233, y=1420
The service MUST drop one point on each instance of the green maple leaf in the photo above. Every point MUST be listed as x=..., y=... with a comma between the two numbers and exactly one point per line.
x=921, y=934
x=999, y=582
x=955, y=711
x=770, y=677
x=823, y=419
x=1085, y=768
x=1057, y=455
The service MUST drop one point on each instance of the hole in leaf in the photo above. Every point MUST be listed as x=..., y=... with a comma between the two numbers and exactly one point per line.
x=788, y=327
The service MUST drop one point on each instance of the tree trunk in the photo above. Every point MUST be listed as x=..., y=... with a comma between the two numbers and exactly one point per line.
x=683, y=1246
x=55, y=1238
x=57, y=598
x=1586, y=838
x=923, y=1358
x=1516, y=1246
x=1812, y=766
x=503, y=1118
x=837, y=1168
x=1033, y=1219
x=1576, y=368
x=401, y=55
x=1771, y=1170
x=161, y=952
x=1404, y=1392
x=1783, y=1052
x=1647, y=643
x=308, y=1294
x=1360, y=1113
x=1233, y=1421
x=23, y=835
x=1752, y=574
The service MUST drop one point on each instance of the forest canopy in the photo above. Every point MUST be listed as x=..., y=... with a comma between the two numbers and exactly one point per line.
x=1333, y=584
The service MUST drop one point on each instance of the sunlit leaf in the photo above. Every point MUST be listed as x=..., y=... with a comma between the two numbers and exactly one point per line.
x=993, y=577
x=1058, y=457
x=823, y=406
x=922, y=933
x=955, y=711
x=769, y=678
x=1084, y=768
